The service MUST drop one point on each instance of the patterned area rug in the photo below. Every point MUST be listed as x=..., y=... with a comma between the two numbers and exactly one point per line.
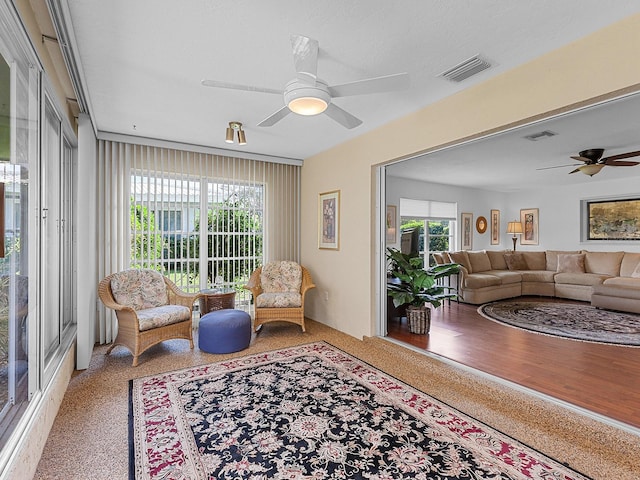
x=575, y=321
x=312, y=412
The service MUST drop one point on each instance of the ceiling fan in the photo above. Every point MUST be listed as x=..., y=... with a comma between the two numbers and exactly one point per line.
x=593, y=161
x=309, y=95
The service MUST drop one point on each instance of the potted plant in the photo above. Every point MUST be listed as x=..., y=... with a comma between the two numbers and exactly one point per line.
x=414, y=286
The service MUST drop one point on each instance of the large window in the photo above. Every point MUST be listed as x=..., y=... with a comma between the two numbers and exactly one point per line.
x=436, y=225
x=199, y=240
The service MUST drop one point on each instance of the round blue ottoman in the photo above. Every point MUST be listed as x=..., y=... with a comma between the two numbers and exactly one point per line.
x=224, y=331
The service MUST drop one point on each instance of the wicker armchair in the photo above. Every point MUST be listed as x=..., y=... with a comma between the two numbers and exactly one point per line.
x=278, y=290
x=150, y=309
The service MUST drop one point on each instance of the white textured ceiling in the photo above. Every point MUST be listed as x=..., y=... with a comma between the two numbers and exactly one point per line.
x=510, y=162
x=143, y=60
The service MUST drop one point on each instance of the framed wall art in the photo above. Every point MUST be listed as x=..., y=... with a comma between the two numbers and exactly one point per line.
x=391, y=224
x=466, y=231
x=495, y=227
x=617, y=219
x=529, y=220
x=329, y=220
x=481, y=224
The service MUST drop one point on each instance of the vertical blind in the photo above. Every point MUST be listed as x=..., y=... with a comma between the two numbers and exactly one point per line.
x=203, y=220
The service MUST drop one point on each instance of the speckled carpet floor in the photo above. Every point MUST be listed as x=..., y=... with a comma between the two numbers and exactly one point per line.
x=89, y=437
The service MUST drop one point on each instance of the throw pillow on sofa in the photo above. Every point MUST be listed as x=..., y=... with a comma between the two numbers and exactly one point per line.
x=461, y=258
x=515, y=261
x=571, y=263
x=479, y=261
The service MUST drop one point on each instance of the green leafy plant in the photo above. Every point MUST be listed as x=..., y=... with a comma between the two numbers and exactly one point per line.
x=412, y=284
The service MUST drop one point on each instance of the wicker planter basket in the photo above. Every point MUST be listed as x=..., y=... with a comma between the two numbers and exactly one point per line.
x=419, y=319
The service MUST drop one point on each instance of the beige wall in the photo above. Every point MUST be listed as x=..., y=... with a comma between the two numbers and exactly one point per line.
x=595, y=66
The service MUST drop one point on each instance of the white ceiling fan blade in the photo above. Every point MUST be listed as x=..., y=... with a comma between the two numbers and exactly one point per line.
x=275, y=117
x=236, y=86
x=387, y=83
x=341, y=116
x=305, y=58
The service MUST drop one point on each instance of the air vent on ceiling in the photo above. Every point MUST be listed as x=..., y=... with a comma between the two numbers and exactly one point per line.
x=534, y=137
x=464, y=70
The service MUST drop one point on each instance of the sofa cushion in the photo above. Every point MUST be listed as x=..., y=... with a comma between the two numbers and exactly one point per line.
x=479, y=261
x=139, y=288
x=441, y=257
x=541, y=276
x=282, y=276
x=480, y=280
x=630, y=263
x=571, y=262
x=279, y=300
x=515, y=261
x=604, y=263
x=461, y=258
x=623, y=282
x=636, y=272
x=160, y=316
x=618, y=290
x=552, y=258
x=535, y=260
x=580, y=278
x=497, y=260
x=506, y=276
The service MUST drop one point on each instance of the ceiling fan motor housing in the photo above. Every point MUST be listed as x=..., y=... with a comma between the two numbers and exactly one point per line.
x=593, y=154
x=306, y=99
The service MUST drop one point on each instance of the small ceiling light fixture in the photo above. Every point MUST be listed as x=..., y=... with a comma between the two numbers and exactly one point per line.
x=591, y=169
x=231, y=129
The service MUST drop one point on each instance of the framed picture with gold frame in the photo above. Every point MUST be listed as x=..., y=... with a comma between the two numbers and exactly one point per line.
x=329, y=220
x=391, y=222
x=466, y=231
x=495, y=227
x=529, y=219
x=481, y=224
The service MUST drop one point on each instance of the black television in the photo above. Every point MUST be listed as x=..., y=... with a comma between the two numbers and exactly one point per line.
x=409, y=241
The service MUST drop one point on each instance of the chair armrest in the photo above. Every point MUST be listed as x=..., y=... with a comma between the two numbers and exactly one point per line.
x=180, y=297
x=254, y=283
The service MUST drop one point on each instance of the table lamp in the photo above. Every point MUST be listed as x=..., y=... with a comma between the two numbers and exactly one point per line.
x=516, y=229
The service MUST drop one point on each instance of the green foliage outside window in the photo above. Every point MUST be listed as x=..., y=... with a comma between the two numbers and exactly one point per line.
x=146, y=243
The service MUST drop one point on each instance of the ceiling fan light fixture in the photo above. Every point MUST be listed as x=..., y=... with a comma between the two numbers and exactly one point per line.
x=591, y=169
x=305, y=99
x=307, y=105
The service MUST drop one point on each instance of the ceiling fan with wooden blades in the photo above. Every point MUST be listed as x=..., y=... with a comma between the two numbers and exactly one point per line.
x=593, y=161
x=308, y=95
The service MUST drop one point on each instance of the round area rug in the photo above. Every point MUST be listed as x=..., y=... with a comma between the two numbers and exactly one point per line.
x=575, y=321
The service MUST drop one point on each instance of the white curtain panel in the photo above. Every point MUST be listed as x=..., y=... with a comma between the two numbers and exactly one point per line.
x=119, y=161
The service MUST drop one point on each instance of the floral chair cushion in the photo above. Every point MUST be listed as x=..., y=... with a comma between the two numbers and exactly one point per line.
x=281, y=277
x=139, y=289
x=279, y=300
x=160, y=316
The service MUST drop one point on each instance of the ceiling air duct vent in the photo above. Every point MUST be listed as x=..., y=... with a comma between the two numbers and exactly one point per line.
x=464, y=70
x=540, y=135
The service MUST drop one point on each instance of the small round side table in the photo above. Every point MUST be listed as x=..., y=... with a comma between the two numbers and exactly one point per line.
x=216, y=299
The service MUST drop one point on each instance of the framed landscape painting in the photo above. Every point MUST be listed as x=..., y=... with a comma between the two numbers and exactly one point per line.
x=495, y=227
x=613, y=219
x=329, y=220
x=529, y=220
x=466, y=230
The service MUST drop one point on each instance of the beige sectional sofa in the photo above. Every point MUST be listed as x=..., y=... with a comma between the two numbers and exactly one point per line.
x=607, y=279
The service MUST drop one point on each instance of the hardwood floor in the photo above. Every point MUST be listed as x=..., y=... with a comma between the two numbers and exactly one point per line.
x=604, y=379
